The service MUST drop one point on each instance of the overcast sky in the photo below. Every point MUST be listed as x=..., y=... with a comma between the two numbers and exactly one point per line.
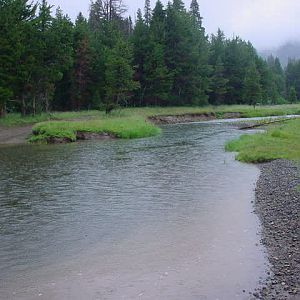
x=266, y=23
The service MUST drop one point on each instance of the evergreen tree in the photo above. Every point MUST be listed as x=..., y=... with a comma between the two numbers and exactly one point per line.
x=195, y=12
x=292, y=73
x=158, y=79
x=62, y=34
x=147, y=11
x=218, y=84
x=217, y=47
x=96, y=15
x=178, y=5
x=140, y=40
x=186, y=56
x=119, y=75
x=82, y=64
x=292, y=95
x=17, y=18
x=252, y=87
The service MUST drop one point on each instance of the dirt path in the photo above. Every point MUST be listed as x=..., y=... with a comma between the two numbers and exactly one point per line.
x=14, y=135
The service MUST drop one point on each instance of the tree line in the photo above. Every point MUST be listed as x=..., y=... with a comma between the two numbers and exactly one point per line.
x=165, y=57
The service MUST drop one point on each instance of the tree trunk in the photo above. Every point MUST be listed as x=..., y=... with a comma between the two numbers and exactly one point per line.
x=23, y=106
x=47, y=102
x=2, y=111
x=34, y=105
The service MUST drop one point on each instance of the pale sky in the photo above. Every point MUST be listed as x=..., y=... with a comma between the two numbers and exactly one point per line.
x=266, y=23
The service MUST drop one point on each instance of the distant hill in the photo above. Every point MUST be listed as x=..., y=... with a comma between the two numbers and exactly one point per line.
x=284, y=52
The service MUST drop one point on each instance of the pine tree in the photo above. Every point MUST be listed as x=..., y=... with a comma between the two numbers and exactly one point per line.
x=159, y=79
x=82, y=64
x=119, y=75
x=45, y=73
x=186, y=56
x=62, y=33
x=147, y=12
x=195, y=13
x=292, y=74
x=252, y=87
x=140, y=41
x=292, y=95
x=96, y=15
x=178, y=5
x=217, y=47
x=17, y=19
x=218, y=84
x=113, y=9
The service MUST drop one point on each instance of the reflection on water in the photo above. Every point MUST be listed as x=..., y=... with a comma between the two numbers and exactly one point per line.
x=161, y=218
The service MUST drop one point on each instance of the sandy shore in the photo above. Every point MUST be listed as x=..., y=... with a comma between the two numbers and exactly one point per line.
x=14, y=135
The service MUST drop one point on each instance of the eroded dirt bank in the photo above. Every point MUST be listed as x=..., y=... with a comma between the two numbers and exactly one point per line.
x=187, y=118
x=278, y=207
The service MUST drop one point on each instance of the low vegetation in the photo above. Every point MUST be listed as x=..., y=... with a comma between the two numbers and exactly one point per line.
x=282, y=141
x=246, y=111
x=125, y=128
x=127, y=122
x=15, y=119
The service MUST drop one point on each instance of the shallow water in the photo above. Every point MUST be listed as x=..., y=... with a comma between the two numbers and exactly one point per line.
x=168, y=217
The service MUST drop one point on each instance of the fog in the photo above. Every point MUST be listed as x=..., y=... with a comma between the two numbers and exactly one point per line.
x=266, y=23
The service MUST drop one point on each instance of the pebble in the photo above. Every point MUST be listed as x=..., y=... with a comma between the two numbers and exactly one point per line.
x=278, y=207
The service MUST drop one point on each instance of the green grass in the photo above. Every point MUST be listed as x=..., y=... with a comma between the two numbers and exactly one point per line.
x=15, y=119
x=121, y=127
x=127, y=122
x=277, y=142
x=245, y=110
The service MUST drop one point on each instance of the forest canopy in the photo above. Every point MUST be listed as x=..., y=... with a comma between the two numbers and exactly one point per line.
x=164, y=58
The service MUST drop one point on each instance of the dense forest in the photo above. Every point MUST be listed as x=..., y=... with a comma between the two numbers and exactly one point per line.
x=164, y=57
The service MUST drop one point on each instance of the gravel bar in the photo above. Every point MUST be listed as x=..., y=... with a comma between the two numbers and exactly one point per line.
x=278, y=207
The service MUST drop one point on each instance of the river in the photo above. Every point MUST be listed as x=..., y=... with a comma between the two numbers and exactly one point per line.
x=168, y=217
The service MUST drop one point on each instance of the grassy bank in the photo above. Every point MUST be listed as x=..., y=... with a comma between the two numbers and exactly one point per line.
x=15, y=119
x=125, y=128
x=245, y=111
x=281, y=141
x=127, y=122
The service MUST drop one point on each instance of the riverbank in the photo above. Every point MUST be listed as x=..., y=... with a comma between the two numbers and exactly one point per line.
x=277, y=203
x=278, y=207
x=278, y=142
x=61, y=127
x=213, y=112
x=14, y=135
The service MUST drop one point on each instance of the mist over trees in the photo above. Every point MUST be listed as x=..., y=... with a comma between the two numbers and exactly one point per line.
x=287, y=51
x=47, y=62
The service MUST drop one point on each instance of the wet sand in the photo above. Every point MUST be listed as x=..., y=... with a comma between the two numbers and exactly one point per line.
x=14, y=135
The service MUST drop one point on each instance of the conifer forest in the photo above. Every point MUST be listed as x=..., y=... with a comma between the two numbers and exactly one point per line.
x=161, y=57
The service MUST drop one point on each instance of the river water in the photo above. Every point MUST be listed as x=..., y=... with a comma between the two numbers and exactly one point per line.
x=168, y=217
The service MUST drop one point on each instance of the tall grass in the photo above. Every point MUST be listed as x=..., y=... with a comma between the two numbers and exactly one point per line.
x=125, y=128
x=278, y=142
